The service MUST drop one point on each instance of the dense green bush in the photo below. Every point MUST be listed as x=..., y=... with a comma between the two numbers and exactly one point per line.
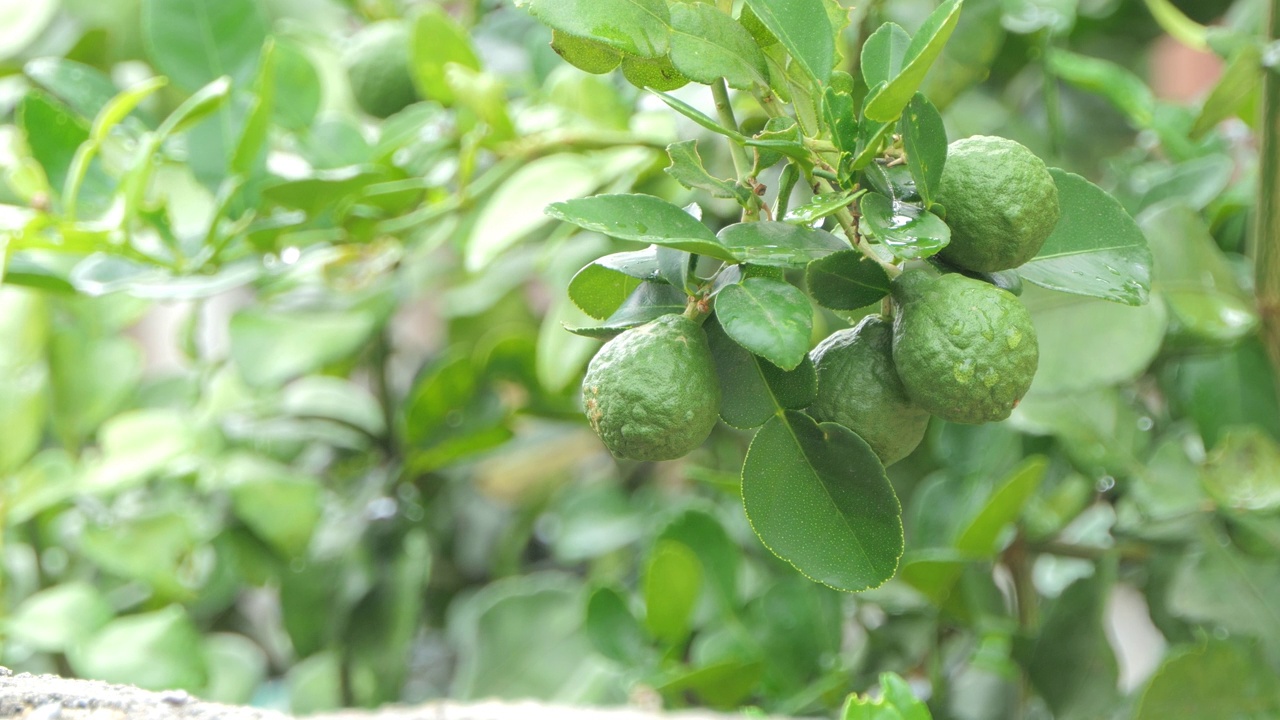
x=289, y=413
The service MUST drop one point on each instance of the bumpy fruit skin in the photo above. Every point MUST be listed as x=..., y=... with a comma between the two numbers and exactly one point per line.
x=966, y=350
x=859, y=388
x=1001, y=203
x=651, y=393
x=377, y=62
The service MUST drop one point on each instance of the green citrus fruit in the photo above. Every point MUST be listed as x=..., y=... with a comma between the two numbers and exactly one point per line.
x=859, y=388
x=651, y=393
x=1000, y=201
x=377, y=62
x=966, y=350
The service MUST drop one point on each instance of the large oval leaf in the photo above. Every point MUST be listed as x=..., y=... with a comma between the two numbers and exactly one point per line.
x=638, y=27
x=804, y=29
x=1096, y=248
x=818, y=498
x=846, y=280
x=643, y=218
x=778, y=244
x=752, y=389
x=887, y=103
x=197, y=41
x=771, y=318
x=708, y=45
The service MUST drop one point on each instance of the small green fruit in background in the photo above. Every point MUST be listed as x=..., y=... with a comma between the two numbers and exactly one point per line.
x=965, y=350
x=377, y=62
x=1001, y=203
x=651, y=393
x=859, y=388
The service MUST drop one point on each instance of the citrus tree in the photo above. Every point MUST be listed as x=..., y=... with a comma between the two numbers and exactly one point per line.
x=724, y=353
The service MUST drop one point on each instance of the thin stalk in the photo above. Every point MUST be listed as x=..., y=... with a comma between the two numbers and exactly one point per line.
x=724, y=110
x=850, y=228
x=786, y=183
x=1265, y=244
x=1052, y=106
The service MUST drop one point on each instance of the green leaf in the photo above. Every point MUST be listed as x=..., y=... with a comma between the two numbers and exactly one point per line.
x=23, y=22
x=752, y=389
x=642, y=218
x=281, y=506
x=883, y=54
x=1218, y=390
x=58, y=618
x=155, y=651
x=841, y=119
x=83, y=87
x=672, y=584
x=137, y=445
x=270, y=347
x=888, y=102
x=687, y=169
x=636, y=27
x=601, y=287
x=719, y=554
x=118, y=108
x=818, y=498
x=820, y=206
x=925, y=140
x=250, y=155
x=438, y=40
x=1070, y=661
x=613, y=630
x=909, y=232
x=197, y=41
x=1218, y=585
x=771, y=318
x=804, y=29
x=1243, y=471
x=202, y=103
x=297, y=87
x=698, y=116
x=1239, y=82
x=1096, y=249
x=1100, y=431
x=980, y=537
x=649, y=301
x=846, y=280
x=516, y=208
x=707, y=45
x=1128, y=92
x=777, y=244
x=1218, y=679
x=586, y=55
x=54, y=134
x=1206, y=303
x=1086, y=342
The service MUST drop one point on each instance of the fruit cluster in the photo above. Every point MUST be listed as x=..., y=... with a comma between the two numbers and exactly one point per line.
x=957, y=347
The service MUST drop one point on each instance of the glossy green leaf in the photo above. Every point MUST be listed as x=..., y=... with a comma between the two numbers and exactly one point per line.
x=925, y=141
x=1216, y=679
x=250, y=149
x=1128, y=92
x=280, y=506
x=516, y=208
x=839, y=114
x=672, y=584
x=438, y=40
x=804, y=29
x=778, y=244
x=979, y=538
x=642, y=218
x=752, y=389
x=58, y=618
x=909, y=232
x=883, y=54
x=53, y=133
x=1226, y=388
x=698, y=116
x=771, y=318
x=1096, y=249
x=719, y=554
x=612, y=628
x=1218, y=585
x=154, y=650
x=270, y=347
x=926, y=45
x=1206, y=303
x=82, y=87
x=636, y=27
x=1100, y=431
x=1239, y=82
x=196, y=108
x=895, y=702
x=687, y=169
x=707, y=45
x=602, y=286
x=820, y=206
x=818, y=497
x=846, y=280
x=1243, y=471
x=649, y=301
x=872, y=136
x=196, y=41
x=1086, y=342
x=586, y=55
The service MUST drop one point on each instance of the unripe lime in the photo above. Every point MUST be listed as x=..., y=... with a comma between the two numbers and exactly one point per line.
x=1001, y=203
x=377, y=62
x=859, y=388
x=651, y=393
x=965, y=350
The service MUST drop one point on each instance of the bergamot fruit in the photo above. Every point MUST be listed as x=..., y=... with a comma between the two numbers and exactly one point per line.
x=1001, y=203
x=651, y=393
x=377, y=62
x=965, y=350
x=859, y=388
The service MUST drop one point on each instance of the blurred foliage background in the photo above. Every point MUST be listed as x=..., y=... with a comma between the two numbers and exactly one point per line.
x=288, y=415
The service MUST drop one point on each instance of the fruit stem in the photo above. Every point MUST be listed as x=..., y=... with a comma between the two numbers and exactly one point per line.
x=698, y=309
x=1265, y=243
x=786, y=183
